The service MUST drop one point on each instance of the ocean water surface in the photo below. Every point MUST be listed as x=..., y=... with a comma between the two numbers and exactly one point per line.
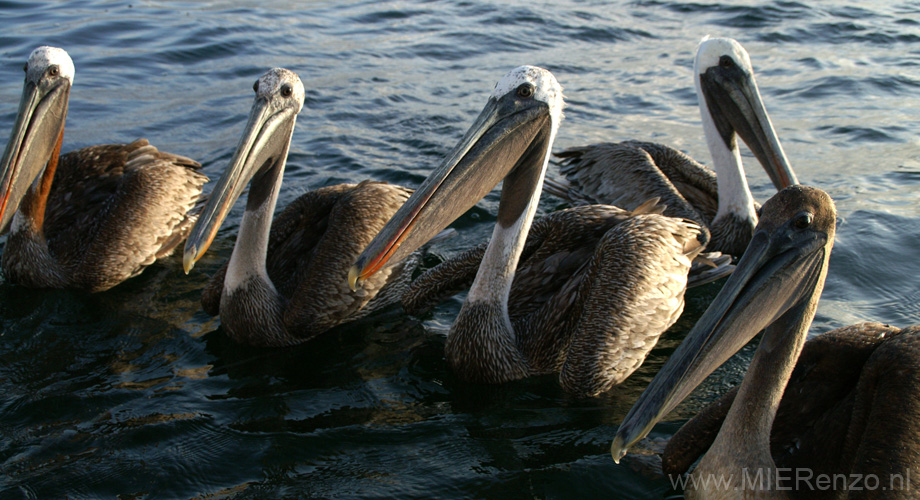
x=136, y=392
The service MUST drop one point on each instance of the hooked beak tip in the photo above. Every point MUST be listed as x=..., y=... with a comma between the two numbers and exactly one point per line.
x=188, y=259
x=617, y=449
x=353, y=278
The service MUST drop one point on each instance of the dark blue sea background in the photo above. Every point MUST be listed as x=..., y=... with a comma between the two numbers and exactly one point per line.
x=136, y=393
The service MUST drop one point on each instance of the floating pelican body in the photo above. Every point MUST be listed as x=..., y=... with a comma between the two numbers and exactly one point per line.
x=847, y=406
x=852, y=403
x=586, y=296
x=286, y=281
x=96, y=216
x=628, y=173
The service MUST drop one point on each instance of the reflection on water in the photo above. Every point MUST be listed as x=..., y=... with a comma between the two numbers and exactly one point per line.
x=137, y=393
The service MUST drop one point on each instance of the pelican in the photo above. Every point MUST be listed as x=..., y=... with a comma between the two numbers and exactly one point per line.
x=864, y=413
x=597, y=285
x=96, y=216
x=833, y=394
x=286, y=281
x=628, y=173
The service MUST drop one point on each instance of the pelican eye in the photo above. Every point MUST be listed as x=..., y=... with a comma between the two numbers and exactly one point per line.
x=255, y=86
x=54, y=70
x=287, y=90
x=726, y=62
x=525, y=90
x=803, y=220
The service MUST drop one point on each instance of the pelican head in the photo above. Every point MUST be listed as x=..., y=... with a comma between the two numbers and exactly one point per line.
x=262, y=151
x=39, y=127
x=512, y=136
x=779, y=277
x=724, y=80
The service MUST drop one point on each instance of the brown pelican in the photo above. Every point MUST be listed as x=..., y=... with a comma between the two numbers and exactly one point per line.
x=842, y=379
x=96, y=216
x=597, y=285
x=863, y=414
x=628, y=173
x=286, y=281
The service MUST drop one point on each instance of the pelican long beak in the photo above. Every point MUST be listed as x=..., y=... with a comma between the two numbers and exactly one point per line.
x=780, y=271
x=508, y=133
x=736, y=106
x=36, y=136
x=262, y=150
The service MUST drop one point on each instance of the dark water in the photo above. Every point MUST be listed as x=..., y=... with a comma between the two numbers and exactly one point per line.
x=136, y=393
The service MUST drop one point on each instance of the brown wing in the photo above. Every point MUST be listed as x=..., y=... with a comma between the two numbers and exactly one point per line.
x=322, y=297
x=626, y=174
x=696, y=182
x=632, y=292
x=882, y=438
x=556, y=246
x=443, y=281
x=114, y=209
